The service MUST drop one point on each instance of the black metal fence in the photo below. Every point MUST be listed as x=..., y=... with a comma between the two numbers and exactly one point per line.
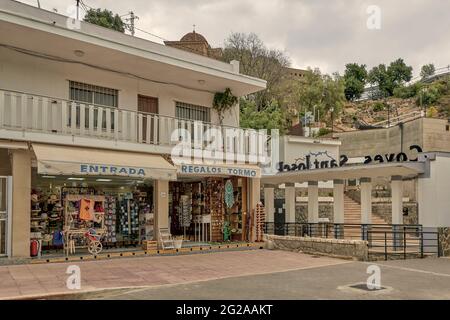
x=386, y=240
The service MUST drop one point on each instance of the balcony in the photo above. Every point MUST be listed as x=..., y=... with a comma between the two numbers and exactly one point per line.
x=45, y=119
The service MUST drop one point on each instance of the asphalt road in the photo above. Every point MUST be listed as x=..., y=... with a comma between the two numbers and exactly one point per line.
x=402, y=279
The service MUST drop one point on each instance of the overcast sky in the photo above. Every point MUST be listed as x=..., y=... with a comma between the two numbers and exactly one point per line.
x=315, y=33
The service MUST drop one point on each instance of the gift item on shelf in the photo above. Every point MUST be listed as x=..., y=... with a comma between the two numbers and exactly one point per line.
x=259, y=220
x=215, y=206
x=146, y=218
x=86, y=210
x=84, y=217
x=46, y=218
x=110, y=219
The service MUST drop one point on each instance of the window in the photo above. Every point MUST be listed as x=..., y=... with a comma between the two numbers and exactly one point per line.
x=93, y=94
x=192, y=112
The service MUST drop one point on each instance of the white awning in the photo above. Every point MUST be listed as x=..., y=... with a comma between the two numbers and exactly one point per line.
x=62, y=160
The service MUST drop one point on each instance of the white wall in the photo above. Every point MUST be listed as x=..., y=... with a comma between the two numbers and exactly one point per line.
x=35, y=75
x=293, y=147
x=434, y=194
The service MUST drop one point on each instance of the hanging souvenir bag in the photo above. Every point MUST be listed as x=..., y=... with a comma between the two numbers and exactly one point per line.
x=86, y=209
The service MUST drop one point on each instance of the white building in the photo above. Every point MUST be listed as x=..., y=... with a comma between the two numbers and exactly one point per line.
x=89, y=112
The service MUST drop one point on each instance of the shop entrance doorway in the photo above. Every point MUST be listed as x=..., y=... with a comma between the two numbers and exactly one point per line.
x=5, y=184
x=280, y=217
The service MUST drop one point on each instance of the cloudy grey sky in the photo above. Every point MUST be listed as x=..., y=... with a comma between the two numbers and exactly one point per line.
x=316, y=33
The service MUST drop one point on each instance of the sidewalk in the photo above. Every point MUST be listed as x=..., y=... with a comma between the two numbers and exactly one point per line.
x=22, y=281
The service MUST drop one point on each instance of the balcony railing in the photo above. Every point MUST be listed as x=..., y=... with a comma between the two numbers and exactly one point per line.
x=41, y=114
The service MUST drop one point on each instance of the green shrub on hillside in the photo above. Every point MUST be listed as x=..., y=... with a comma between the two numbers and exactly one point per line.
x=323, y=131
x=378, y=106
x=430, y=95
x=405, y=92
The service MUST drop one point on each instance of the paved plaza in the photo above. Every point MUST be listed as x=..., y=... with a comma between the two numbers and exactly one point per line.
x=252, y=274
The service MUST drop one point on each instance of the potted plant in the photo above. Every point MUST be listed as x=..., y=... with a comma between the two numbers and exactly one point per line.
x=223, y=101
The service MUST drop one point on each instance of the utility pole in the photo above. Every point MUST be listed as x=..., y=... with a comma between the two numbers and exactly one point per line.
x=132, y=17
x=78, y=9
x=131, y=21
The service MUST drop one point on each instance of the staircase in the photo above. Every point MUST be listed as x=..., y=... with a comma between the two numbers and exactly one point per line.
x=352, y=213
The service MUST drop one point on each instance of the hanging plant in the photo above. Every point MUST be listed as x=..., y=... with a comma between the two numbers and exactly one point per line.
x=223, y=101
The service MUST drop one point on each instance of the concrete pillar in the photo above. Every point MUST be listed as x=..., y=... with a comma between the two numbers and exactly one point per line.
x=397, y=210
x=269, y=203
x=366, y=200
x=397, y=199
x=366, y=207
x=289, y=198
x=338, y=196
x=338, y=208
x=313, y=202
x=21, y=199
x=161, y=206
x=255, y=198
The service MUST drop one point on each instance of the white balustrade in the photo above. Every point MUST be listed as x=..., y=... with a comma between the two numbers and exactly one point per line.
x=26, y=112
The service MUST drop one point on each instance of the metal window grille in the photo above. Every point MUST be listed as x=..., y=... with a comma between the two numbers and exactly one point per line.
x=88, y=93
x=192, y=112
x=96, y=95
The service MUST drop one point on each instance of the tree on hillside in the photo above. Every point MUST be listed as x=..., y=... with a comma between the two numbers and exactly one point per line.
x=355, y=77
x=427, y=70
x=399, y=73
x=333, y=94
x=322, y=93
x=258, y=61
x=272, y=117
x=390, y=78
x=105, y=18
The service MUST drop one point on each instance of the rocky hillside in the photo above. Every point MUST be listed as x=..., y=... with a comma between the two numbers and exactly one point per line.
x=436, y=100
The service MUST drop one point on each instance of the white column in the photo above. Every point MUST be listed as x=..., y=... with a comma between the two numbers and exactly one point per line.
x=338, y=199
x=397, y=199
x=161, y=196
x=269, y=202
x=313, y=202
x=289, y=196
x=366, y=200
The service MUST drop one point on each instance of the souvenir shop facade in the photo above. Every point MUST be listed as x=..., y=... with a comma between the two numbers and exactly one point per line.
x=53, y=198
x=62, y=200
x=213, y=203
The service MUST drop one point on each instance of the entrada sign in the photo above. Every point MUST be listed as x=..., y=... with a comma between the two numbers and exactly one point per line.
x=111, y=170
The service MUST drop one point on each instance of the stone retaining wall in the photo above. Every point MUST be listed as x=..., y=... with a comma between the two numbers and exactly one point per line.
x=301, y=212
x=348, y=249
x=384, y=210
